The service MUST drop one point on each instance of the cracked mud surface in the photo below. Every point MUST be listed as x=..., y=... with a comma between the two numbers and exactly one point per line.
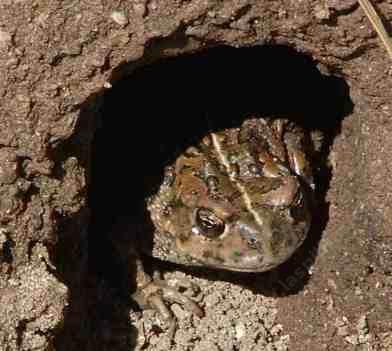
x=56, y=62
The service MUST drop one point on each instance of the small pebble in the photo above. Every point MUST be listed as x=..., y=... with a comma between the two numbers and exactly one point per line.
x=352, y=339
x=240, y=330
x=119, y=17
x=153, y=5
x=322, y=12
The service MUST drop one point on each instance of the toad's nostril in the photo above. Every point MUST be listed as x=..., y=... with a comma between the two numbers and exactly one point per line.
x=250, y=236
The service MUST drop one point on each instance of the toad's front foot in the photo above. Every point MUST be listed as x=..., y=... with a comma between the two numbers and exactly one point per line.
x=151, y=293
x=157, y=293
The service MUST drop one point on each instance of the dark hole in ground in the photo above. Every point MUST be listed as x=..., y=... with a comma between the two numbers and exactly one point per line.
x=154, y=114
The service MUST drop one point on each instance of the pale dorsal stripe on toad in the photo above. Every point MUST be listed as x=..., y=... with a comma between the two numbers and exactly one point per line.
x=225, y=162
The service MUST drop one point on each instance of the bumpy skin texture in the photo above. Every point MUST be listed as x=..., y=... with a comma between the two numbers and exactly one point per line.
x=239, y=201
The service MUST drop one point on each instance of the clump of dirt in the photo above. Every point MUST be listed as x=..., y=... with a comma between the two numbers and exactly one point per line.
x=62, y=65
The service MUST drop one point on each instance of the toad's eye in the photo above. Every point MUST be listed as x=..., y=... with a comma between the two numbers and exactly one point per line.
x=208, y=223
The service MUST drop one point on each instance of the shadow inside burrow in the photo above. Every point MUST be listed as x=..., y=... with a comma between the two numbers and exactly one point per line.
x=84, y=326
x=154, y=114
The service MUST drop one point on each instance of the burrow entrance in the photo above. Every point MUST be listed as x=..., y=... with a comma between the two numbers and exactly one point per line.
x=151, y=116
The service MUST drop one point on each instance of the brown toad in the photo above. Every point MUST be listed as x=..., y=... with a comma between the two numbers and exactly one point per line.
x=239, y=200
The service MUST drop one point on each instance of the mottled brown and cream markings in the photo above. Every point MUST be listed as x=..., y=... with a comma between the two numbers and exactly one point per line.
x=239, y=200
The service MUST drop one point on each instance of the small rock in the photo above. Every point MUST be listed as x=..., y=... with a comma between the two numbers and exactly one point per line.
x=276, y=329
x=119, y=17
x=240, y=330
x=358, y=291
x=340, y=322
x=352, y=339
x=321, y=12
x=153, y=5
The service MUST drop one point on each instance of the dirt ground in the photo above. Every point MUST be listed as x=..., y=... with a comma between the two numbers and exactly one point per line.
x=93, y=88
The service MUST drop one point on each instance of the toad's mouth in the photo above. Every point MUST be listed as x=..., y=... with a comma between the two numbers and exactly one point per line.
x=238, y=258
x=249, y=269
x=251, y=264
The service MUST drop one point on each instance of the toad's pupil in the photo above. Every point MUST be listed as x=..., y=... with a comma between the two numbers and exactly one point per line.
x=209, y=223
